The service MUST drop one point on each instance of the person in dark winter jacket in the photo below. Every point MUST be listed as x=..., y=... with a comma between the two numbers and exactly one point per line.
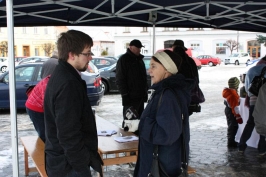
x=189, y=70
x=131, y=79
x=161, y=122
x=232, y=101
x=250, y=124
x=71, y=145
x=49, y=65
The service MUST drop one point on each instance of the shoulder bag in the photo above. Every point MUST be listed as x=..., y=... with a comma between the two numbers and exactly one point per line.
x=157, y=169
x=257, y=82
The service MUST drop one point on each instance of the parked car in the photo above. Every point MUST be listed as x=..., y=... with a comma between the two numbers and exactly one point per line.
x=2, y=59
x=101, y=62
x=3, y=64
x=209, y=60
x=108, y=75
x=237, y=58
x=252, y=62
x=29, y=74
x=33, y=58
x=18, y=59
x=249, y=65
x=115, y=58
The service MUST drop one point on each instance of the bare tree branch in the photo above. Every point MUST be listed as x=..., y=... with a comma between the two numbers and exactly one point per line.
x=48, y=48
x=232, y=45
x=4, y=47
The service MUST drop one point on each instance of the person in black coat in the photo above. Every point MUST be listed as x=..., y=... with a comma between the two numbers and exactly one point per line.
x=131, y=79
x=189, y=69
x=164, y=117
x=71, y=146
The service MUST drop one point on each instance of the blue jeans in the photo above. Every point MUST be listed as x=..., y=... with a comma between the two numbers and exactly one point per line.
x=37, y=119
x=86, y=172
x=246, y=134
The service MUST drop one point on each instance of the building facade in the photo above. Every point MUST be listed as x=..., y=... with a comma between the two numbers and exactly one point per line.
x=202, y=41
x=113, y=41
x=29, y=41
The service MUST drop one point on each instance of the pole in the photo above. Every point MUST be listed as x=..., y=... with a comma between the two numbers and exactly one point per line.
x=237, y=40
x=153, y=37
x=12, y=86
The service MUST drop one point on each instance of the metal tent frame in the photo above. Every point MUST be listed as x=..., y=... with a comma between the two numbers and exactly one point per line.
x=237, y=15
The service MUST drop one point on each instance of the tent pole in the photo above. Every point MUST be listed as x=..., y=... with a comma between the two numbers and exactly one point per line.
x=12, y=86
x=153, y=38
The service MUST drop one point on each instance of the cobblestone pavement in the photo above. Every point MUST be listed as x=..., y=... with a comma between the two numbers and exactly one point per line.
x=209, y=154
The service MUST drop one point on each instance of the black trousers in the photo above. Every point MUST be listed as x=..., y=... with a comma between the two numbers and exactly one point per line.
x=231, y=123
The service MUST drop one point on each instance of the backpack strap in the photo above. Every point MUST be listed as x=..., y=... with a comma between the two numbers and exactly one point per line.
x=263, y=71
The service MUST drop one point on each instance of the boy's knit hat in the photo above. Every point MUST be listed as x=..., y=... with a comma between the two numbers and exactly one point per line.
x=233, y=82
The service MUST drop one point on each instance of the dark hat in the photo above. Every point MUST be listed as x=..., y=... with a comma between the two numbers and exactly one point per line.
x=136, y=43
x=179, y=43
x=233, y=82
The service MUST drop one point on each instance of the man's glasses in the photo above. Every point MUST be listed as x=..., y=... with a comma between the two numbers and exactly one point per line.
x=86, y=54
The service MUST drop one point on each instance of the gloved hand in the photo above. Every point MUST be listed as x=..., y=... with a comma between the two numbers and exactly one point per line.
x=131, y=113
x=239, y=120
x=132, y=125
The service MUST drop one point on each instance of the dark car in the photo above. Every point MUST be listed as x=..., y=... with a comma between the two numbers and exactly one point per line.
x=108, y=75
x=29, y=74
x=101, y=62
x=209, y=60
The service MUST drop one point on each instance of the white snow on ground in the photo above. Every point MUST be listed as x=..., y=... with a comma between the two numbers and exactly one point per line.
x=6, y=157
x=213, y=123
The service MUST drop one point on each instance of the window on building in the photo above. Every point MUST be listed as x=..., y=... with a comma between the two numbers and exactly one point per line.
x=15, y=50
x=35, y=30
x=175, y=29
x=195, y=46
x=24, y=30
x=220, y=48
x=168, y=44
x=2, y=52
x=166, y=29
x=145, y=29
x=45, y=53
x=126, y=45
x=45, y=30
x=36, y=51
x=127, y=30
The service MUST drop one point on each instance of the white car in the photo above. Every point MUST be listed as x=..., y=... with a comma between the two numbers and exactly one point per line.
x=33, y=59
x=237, y=58
x=3, y=64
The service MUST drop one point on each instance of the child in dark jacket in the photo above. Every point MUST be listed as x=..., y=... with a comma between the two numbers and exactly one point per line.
x=232, y=110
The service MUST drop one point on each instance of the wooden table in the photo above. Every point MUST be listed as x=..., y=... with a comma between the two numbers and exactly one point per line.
x=107, y=145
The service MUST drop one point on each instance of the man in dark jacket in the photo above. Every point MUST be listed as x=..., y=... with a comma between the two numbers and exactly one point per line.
x=49, y=65
x=189, y=70
x=131, y=79
x=71, y=146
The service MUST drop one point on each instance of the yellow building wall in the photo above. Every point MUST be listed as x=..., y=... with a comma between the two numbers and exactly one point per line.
x=28, y=40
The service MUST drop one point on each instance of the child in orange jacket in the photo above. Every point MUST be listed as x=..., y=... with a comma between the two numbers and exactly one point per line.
x=232, y=110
